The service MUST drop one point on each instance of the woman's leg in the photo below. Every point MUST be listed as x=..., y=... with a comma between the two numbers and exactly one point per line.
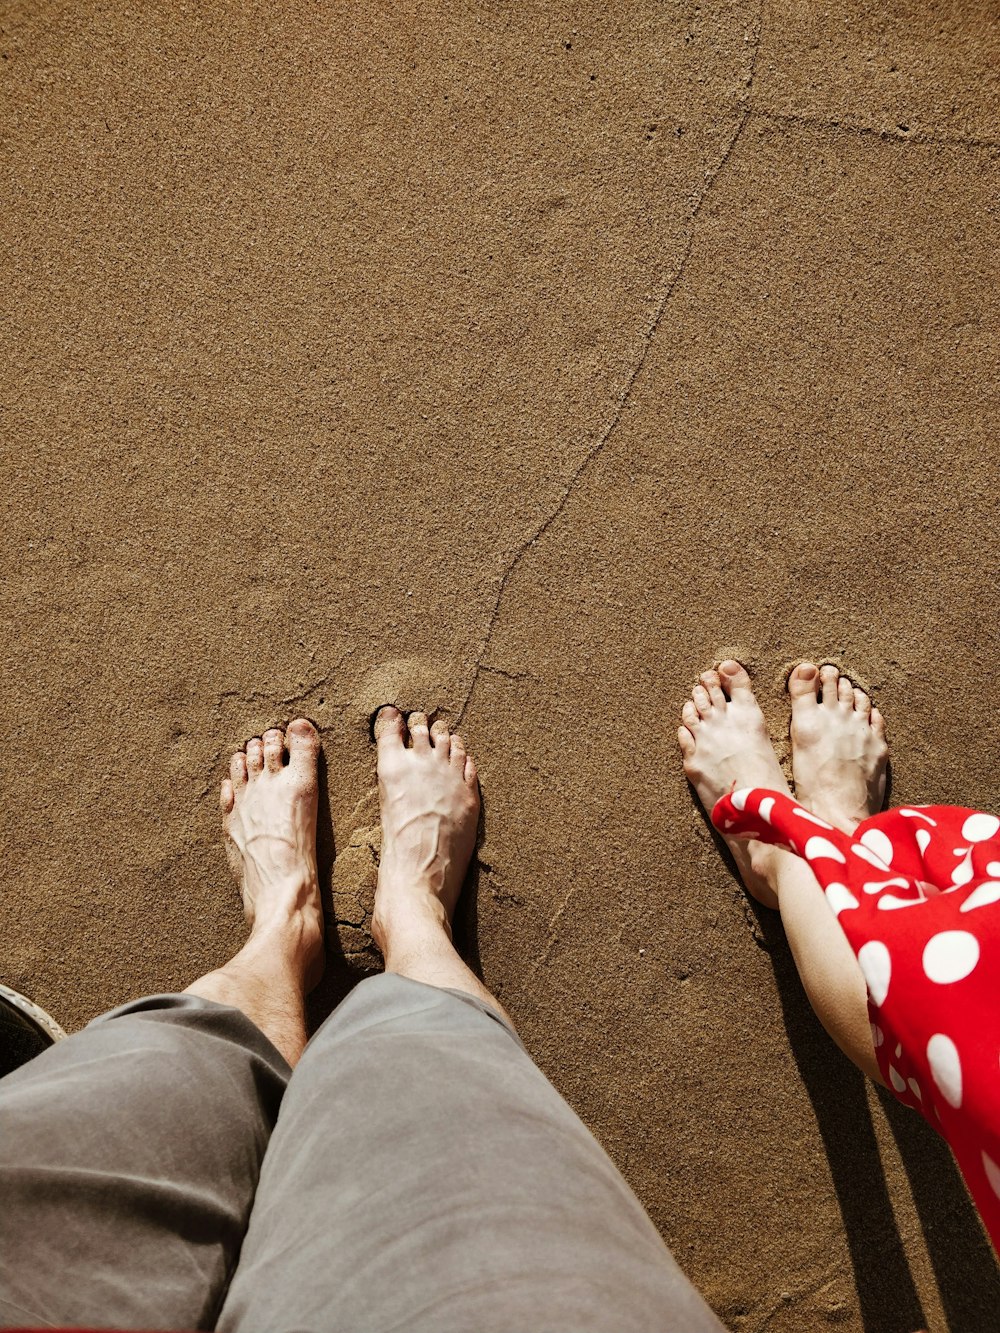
x=424, y=1174
x=129, y=1153
x=839, y=765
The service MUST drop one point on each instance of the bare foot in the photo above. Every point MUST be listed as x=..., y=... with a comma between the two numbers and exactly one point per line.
x=725, y=744
x=429, y=799
x=839, y=752
x=269, y=817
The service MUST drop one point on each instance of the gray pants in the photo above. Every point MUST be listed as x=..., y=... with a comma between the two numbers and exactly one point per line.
x=422, y=1174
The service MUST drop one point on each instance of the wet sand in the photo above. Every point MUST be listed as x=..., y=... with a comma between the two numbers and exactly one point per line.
x=514, y=363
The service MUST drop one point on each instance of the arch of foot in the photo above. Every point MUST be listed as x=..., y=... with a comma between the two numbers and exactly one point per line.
x=917, y=893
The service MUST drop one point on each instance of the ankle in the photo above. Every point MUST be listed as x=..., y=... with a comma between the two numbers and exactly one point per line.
x=289, y=942
x=409, y=923
x=765, y=861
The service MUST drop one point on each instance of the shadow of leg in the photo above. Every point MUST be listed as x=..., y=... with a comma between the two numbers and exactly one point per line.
x=964, y=1264
x=886, y=1293
x=341, y=975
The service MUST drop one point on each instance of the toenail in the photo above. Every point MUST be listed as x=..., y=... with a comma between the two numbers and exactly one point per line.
x=373, y=718
x=807, y=671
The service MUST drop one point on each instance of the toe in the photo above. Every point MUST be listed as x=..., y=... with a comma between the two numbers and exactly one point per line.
x=845, y=691
x=690, y=715
x=227, y=796
x=862, y=704
x=390, y=730
x=274, y=750
x=441, y=738
x=302, y=740
x=702, y=700
x=238, y=769
x=711, y=682
x=458, y=752
x=803, y=684
x=878, y=723
x=829, y=676
x=735, y=679
x=471, y=773
x=420, y=737
x=686, y=742
x=255, y=756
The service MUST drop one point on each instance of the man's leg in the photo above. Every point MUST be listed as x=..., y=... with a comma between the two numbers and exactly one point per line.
x=424, y=1174
x=129, y=1153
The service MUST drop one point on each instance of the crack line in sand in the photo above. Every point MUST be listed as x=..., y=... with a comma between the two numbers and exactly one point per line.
x=871, y=132
x=626, y=393
x=553, y=939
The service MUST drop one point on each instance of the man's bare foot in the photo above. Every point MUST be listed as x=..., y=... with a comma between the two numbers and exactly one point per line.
x=429, y=799
x=269, y=818
x=839, y=752
x=725, y=744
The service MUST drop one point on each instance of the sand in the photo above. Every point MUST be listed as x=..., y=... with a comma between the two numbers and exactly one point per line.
x=515, y=363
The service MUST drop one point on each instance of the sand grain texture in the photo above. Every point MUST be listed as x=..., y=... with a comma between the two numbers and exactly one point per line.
x=517, y=362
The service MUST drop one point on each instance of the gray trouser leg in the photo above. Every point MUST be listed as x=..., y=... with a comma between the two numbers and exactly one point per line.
x=424, y=1175
x=129, y=1156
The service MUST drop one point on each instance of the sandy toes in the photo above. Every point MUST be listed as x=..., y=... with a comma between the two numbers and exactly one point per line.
x=724, y=743
x=839, y=750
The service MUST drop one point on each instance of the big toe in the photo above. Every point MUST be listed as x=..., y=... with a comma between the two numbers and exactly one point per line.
x=803, y=683
x=302, y=740
x=389, y=729
x=735, y=679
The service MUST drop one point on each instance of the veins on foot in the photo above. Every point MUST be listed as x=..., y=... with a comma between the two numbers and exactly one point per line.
x=429, y=799
x=724, y=743
x=269, y=818
x=839, y=750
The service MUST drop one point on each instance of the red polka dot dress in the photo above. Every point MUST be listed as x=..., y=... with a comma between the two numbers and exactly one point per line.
x=917, y=893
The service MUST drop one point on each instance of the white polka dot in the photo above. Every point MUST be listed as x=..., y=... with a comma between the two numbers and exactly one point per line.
x=992, y=1173
x=889, y=902
x=823, y=847
x=993, y=869
x=765, y=808
x=915, y=1089
x=813, y=819
x=988, y=892
x=918, y=814
x=980, y=828
x=876, y=841
x=868, y=856
x=878, y=1036
x=950, y=956
x=962, y=874
x=840, y=898
x=877, y=885
x=899, y=1049
x=876, y=966
x=896, y=1079
x=946, y=1068
x=923, y=840
x=739, y=798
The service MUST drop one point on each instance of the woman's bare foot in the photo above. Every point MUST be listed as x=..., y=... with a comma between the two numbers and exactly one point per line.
x=429, y=799
x=269, y=818
x=725, y=744
x=839, y=751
